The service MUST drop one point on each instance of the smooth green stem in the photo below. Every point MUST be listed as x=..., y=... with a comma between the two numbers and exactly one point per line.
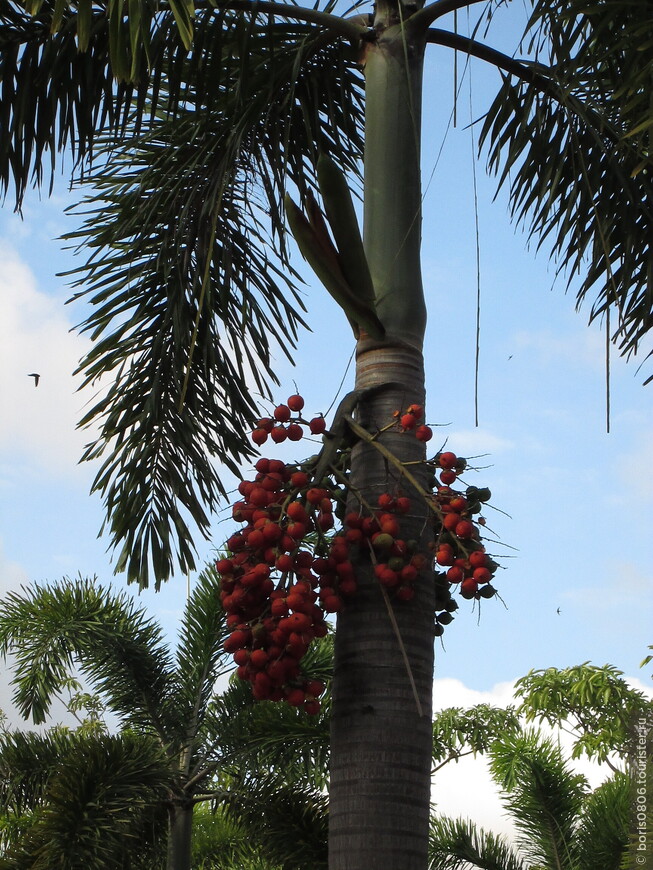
x=392, y=213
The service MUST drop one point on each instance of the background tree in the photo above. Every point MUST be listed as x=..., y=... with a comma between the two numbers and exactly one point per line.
x=86, y=798
x=216, y=110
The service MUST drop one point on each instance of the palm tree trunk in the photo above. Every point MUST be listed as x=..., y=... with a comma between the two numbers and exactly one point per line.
x=180, y=826
x=381, y=719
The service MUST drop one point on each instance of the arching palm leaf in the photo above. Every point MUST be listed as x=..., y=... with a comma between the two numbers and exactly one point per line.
x=603, y=828
x=98, y=806
x=457, y=844
x=116, y=647
x=189, y=307
x=570, y=136
x=543, y=795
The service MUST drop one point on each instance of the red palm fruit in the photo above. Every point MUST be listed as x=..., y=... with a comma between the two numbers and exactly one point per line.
x=464, y=529
x=447, y=460
x=386, y=502
x=405, y=593
x=295, y=432
x=262, y=465
x=444, y=557
x=296, y=530
x=451, y=520
x=258, y=658
x=347, y=586
x=459, y=504
x=276, y=466
x=295, y=402
x=448, y=477
x=261, y=685
x=259, y=437
x=314, y=688
x=296, y=697
x=353, y=520
x=272, y=532
x=407, y=421
x=325, y=522
x=281, y=413
x=224, y=566
x=469, y=587
x=299, y=479
x=315, y=495
x=235, y=542
x=276, y=671
x=259, y=497
x=312, y=708
x=320, y=629
x=278, y=434
x=326, y=505
x=320, y=566
x=455, y=574
x=478, y=559
x=241, y=657
x=287, y=544
x=408, y=574
x=272, y=482
x=481, y=575
x=284, y=562
x=299, y=604
x=279, y=607
x=369, y=526
x=303, y=560
x=332, y=603
x=255, y=539
x=389, y=525
x=297, y=512
x=317, y=425
x=354, y=536
x=402, y=504
x=424, y=433
x=265, y=423
x=345, y=570
x=242, y=672
x=236, y=640
x=416, y=410
x=387, y=577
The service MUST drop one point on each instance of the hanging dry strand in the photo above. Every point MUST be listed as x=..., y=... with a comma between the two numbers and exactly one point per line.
x=478, y=250
x=455, y=70
x=607, y=369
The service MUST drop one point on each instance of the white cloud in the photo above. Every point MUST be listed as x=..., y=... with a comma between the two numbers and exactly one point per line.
x=39, y=423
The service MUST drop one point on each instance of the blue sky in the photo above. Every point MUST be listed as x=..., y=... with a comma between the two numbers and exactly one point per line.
x=579, y=499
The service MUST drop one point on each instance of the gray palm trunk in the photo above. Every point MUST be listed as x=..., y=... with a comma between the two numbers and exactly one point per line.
x=381, y=720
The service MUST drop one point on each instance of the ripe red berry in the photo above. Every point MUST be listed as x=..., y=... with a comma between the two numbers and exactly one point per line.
x=317, y=425
x=278, y=434
x=447, y=477
x=259, y=436
x=407, y=422
x=295, y=432
x=447, y=460
x=295, y=403
x=282, y=413
x=424, y=433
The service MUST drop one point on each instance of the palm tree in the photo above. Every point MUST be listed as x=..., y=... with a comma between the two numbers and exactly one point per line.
x=90, y=799
x=200, y=116
x=561, y=824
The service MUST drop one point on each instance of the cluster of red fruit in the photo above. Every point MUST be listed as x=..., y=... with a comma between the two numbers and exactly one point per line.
x=457, y=538
x=287, y=569
x=282, y=426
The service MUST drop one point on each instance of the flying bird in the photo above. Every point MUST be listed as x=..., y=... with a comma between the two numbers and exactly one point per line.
x=36, y=378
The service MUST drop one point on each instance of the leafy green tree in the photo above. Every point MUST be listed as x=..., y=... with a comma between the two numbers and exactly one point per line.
x=204, y=113
x=560, y=823
x=86, y=798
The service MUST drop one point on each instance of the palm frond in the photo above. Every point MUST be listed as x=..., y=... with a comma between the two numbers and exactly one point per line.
x=99, y=806
x=573, y=156
x=27, y=760
x=189, y=306
x=603, y=829
x=201, y=658
x=458, y=844
x=288, y=823
x=116, y=647
x=543, y=795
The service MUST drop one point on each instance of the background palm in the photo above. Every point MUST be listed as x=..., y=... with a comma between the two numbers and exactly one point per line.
x=561, y=824
x=177, y=744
